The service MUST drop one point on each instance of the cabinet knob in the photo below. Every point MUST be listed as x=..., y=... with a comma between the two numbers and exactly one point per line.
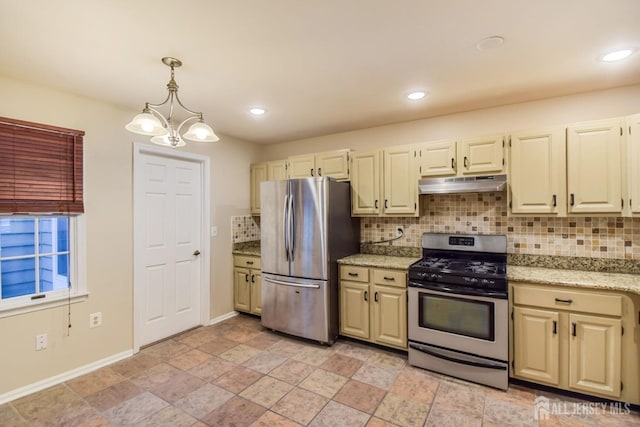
x=555, y=327
x=246, y=277
x=555, y=202
x=311, y=171
x=565, y=301
x=572, y=199
x=375, y=297
x=465, y=162
x=196, y=252
x=319, y=171
x=352, y=274
x=573, y=329
x=389, y=278
x=253, y=278
x=366, y=295
x=249, y=262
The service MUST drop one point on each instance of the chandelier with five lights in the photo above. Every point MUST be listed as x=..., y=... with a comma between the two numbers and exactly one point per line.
x=151, y=121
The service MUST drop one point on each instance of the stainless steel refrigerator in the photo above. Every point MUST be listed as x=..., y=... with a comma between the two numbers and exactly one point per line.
x=306, y=226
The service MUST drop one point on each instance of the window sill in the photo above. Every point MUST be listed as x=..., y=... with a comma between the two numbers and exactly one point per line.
x=42, y=305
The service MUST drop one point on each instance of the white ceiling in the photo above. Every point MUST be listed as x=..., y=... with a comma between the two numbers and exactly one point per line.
x=318, y=66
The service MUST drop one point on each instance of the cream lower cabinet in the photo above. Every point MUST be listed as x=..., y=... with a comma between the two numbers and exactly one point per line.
x=373, y=305
x=573, y=339
x=384, y=182
x=247, y=284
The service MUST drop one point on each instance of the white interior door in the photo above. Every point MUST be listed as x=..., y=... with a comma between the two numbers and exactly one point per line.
x=168, y=213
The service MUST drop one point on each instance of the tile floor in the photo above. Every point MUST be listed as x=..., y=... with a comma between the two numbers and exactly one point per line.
x=238, y=374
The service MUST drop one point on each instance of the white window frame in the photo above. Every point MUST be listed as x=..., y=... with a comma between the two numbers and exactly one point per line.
x=77, y=273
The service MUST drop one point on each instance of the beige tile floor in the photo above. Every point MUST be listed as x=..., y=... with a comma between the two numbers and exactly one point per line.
x=236, y=373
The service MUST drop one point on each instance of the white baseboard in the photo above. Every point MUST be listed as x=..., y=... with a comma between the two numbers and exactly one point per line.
x=60, y=378
x=223, y=317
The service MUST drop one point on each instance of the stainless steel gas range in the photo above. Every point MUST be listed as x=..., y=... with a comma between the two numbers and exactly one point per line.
x=458, y=307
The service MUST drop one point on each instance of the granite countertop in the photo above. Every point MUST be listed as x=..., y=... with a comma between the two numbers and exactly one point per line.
x=379, y=261
x=575, y=278
x=247, y=248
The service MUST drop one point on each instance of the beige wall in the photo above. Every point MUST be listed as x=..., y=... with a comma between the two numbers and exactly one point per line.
x=548, y=112
x=109, y=236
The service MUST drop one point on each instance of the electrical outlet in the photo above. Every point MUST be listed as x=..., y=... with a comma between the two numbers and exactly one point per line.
x=41, y=341
x=95, y=319
x=399, y=231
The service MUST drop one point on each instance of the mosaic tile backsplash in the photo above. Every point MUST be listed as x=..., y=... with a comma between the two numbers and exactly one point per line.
x=245, y=228
x=486, y=213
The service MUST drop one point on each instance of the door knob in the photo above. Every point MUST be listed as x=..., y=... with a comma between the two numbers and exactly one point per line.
x=196, y=252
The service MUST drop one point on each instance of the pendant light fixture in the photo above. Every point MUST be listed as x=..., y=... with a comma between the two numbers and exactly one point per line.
x=162, y=130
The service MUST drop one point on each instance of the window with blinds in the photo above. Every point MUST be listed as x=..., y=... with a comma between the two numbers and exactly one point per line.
x=41, y=226
x=40, y=168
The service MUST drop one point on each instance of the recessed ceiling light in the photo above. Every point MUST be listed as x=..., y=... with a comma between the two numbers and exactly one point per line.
x=414, y=96
x=616, y=55
x=257, y=111
x=490, y=43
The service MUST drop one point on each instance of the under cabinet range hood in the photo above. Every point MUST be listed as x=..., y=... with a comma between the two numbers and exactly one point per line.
x=465, y=184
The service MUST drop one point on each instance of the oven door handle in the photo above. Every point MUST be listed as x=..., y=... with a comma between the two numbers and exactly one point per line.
x=432, y=352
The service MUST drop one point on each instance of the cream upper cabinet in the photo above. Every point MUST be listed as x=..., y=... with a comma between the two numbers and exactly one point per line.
x=537, y=172
x=384, y=182
x=594, y=172
x=302, y=166
x=633, y=167
x=266, y=171
x=334, y=164
x=469, y=156
x=480, y=155
x=257, y=175
x=365, y=183
x=400, y=181
x=277, y=170
x=438, y=158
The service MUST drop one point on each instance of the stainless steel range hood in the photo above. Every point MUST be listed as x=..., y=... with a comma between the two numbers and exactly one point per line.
x=467, y=184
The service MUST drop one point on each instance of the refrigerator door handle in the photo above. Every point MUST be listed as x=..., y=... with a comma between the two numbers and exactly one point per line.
x=285, y=227
x=292, y=229
x=295, y=285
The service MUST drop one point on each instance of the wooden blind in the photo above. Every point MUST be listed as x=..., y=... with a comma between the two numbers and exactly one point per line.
x=40, y=168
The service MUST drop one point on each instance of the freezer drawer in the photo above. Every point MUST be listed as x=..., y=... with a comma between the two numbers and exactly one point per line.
x=299, y=307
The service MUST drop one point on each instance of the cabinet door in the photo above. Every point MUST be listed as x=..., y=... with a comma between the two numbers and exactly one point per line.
x=594, y=176
x=258, y=174
x=334, y=164
x=536, y=345
x=537, y=172
x=438, y=158
x=389, y=316
x=400, y=181
x=302, y=166
x=481, y=155
x=241, y=289
x=256, y=292
x=365, y=183
x=354, y=309
x=595, y=354
x=277, y=170
x=633, y=167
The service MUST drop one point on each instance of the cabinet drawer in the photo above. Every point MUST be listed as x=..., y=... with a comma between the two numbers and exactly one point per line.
x=246, y=261
x=390, y=278
x=354, y=274
x=608, y=305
